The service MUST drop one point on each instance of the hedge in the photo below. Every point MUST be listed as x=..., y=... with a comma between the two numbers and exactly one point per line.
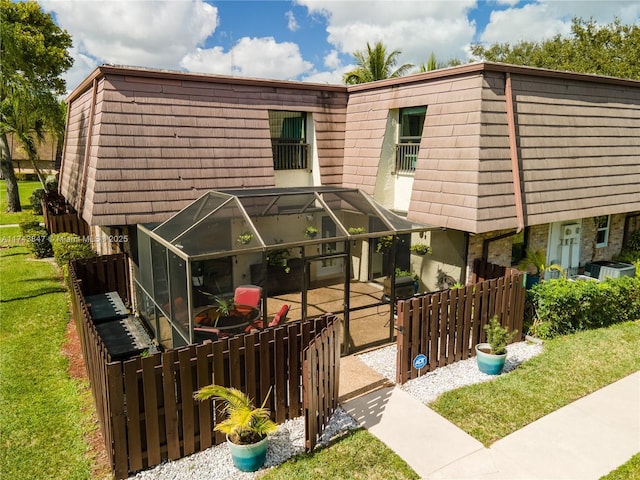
x=564, y=306
x=69, y=246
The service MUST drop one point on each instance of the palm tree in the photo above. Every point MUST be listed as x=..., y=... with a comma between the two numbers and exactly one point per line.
x=28, y=115
x=33, y=56
x=375, y=64
x=432, y=64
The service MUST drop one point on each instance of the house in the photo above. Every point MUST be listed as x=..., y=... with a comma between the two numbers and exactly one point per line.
x=499, y=157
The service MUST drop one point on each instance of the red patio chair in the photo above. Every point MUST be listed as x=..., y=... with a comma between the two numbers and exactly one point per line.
x=248, y=295
x=279, y=318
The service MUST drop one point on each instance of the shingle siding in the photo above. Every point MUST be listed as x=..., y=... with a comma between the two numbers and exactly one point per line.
x=184, y=137
x=182, y=134
x=579, y=148
x=448, y=148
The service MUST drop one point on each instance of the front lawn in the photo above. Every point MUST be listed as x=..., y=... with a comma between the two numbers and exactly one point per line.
x=25, y=189
x=357, y=455
x=45, y=414
x=570, y=367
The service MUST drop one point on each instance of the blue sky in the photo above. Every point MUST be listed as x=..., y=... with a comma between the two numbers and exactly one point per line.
x=306, y=40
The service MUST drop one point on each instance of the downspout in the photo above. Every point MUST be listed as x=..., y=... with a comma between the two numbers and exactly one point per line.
x=513, y=148
x=85, y=168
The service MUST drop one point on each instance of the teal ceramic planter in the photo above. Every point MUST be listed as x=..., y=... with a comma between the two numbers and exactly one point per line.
x=488, y=363
x=248, y=458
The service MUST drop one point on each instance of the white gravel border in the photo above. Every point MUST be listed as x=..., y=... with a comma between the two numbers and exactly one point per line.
x=465, y=372
x=215, y=463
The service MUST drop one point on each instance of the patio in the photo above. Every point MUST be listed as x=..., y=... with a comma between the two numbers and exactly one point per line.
x=317, y=249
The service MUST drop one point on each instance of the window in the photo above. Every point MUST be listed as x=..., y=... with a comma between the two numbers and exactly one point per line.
x=289, y=140
x=602, y=230
x=411, y=123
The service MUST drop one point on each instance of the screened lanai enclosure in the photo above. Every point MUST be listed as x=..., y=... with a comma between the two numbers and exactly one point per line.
x=310, y=250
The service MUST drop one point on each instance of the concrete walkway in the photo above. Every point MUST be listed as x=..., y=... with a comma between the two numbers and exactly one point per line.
x=583, y=440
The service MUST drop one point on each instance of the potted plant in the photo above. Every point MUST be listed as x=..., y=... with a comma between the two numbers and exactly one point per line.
x=535, y=264
x=278, y=258
x=244, y=238
x=246, y=426
x=420, y=249
x=311, y=232
x=492, y=354
x=384, y=244
x=356, y=230
x=224, y=305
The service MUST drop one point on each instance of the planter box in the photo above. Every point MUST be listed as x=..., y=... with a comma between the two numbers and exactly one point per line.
x=404, y=287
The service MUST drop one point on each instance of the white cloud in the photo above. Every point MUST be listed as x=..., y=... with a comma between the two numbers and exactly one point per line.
x=414, y=28
x=276, y=60
x=154, y=34
x=332, y=60
x=292, y=24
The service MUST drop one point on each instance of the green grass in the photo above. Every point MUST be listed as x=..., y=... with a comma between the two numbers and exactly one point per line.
x=25, y=189
x=570, y=367
x=44, y=413
x=357, y=455
x=627, y=471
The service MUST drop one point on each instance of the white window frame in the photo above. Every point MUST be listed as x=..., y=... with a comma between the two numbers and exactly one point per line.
x=604, y=229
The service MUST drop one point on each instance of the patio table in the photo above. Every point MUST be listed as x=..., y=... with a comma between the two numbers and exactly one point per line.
x=240, y=317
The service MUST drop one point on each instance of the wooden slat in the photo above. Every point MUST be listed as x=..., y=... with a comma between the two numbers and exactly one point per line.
x=131, y=383
x=295, y=368
x=279, y=353
x=171, y=420
x=151, y=408
x=265, y=367
x=119, y=462
x=250, y=377
x=204, y=378
x=186, y=400
x=235, y=373
x=219, y=379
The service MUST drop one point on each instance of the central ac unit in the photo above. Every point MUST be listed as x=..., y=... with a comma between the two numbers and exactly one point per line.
x=570, y=231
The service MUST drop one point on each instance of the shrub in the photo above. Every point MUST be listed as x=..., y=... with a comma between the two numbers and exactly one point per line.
x=564, y=306
x=37, y=239
x=28, y=226
x=498, y=336
x=69, y=246
x=633, y=243
x=36, y=200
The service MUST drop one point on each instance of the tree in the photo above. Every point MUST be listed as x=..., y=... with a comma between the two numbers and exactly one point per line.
x=33, y=56
x=375, y=64
x=611, y=50
x=433, y=64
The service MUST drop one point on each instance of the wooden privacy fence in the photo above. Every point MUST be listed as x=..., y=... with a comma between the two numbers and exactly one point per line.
x=105, y=273
x=483, y=270
x=321, y=372
x=445, y=326
x=62, y=219
x=146, y=407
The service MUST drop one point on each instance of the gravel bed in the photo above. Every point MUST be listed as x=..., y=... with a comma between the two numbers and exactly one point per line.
x=465, y=372
x=215, y=463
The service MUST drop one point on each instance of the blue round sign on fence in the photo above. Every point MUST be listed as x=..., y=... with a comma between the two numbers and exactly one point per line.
x=420, y=361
